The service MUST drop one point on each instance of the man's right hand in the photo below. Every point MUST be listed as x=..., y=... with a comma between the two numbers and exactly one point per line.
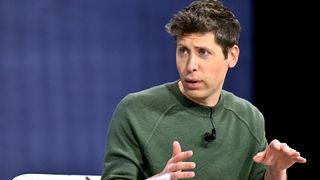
x=175, y=166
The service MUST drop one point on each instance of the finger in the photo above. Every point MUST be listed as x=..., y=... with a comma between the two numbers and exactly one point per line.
x=286, y=149
x=176, y=148
x=181, y=166
x=296, y=157
x=182, y=156
x=259, y=157
x=294, y=152
x=182, y=175
x=275, y=144
x=300, y=159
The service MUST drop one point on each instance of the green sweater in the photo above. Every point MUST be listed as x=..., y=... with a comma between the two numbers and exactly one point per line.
x=145, y=124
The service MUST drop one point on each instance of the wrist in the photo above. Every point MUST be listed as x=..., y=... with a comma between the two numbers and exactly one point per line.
x=273, y=173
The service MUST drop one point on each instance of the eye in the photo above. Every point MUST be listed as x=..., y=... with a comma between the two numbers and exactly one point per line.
x=183, y=51
x=203, y=52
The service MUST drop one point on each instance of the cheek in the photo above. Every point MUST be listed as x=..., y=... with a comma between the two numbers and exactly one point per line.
x=216, y=72
x=180, y=66
x=220, y=73
x=180, y=70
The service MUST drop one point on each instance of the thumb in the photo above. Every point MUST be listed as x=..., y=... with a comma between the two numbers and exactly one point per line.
x=259, y=157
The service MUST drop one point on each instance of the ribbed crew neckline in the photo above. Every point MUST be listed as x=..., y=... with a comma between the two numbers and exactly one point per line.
x=194, y=107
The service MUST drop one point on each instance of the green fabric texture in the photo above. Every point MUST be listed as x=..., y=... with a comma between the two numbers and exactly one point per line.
x=145, y=124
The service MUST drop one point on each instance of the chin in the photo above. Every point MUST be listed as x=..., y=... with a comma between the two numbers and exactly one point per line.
x=194, y=94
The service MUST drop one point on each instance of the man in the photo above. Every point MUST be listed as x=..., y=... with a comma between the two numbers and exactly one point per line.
x=223, y=135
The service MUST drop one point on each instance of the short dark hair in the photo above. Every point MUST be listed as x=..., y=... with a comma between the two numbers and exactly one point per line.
x=203, y=16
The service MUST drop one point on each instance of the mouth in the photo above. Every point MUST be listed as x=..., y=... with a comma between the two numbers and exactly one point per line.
x=192, y=84
x=191, y=81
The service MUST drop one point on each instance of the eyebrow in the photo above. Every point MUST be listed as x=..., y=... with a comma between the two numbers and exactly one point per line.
x=180, y=44
x=202, y=47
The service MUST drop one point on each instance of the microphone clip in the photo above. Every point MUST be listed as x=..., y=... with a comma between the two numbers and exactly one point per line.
x=209, y=137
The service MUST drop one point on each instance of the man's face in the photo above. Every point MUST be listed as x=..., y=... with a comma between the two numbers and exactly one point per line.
x=202, y=67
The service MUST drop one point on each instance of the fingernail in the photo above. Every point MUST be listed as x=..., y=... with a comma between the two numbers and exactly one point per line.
x=193, y=165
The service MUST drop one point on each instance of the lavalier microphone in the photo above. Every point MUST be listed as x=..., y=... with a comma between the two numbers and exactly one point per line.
x=209, y=137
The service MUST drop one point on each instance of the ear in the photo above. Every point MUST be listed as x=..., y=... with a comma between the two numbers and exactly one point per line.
x=233, y=56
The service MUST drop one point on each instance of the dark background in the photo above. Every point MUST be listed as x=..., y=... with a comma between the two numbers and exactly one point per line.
x=286, y=82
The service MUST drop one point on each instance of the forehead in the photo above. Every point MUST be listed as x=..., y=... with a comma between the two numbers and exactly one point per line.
x=198, y=40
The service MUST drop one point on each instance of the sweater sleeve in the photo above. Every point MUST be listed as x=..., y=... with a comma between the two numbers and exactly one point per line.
x=123, y=159
x=258, y=170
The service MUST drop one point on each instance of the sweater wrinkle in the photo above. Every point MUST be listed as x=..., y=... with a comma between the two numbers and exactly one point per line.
x=157, y=124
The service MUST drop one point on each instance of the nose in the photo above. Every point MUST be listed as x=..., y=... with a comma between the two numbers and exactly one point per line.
x=192, y=64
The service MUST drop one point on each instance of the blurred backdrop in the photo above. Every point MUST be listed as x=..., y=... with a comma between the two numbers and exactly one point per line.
x=65, y=64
